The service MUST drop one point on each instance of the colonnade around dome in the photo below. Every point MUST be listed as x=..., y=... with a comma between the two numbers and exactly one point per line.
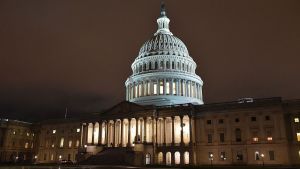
x=166, y=86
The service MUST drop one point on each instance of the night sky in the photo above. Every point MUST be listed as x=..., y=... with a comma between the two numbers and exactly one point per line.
x=77, y=54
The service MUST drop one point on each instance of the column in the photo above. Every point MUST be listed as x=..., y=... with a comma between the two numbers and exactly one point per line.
x=93, y=133
x=173, y=132
x=122, y=133
x=145, y=129
x=164, y=131
x=181, y=125
x=157, y=88
x=178, y=87
x=106, y=134
x=191, y=130
x=153, y=136
x=156, y=134
x=164, y=86
x=81, y=135
x=100, y=132
x=129, y=134
x=171, y=86
x=136, y=130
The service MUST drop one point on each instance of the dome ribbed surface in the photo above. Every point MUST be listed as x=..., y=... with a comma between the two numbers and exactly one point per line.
x=163, y=44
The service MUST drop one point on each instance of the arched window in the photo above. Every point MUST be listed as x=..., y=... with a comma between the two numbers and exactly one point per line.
x=173, y=65
x=148, y=159
x=160, y=158
x=178, y=65
x=177, y=157
x=155, y=65
x=140, y=70
x=186, y=157
x=168, y=158
x=182, y=67
x=150, y=66
x=238, y=135
x=144, y=67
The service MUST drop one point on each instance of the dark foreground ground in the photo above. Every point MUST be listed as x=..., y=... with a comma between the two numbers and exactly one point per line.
x=150, y=167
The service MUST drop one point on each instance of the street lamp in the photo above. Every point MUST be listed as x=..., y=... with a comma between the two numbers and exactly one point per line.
x=262, y=157
x=211, y=158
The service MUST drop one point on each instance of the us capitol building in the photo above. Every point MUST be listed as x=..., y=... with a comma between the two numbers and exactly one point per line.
x=163, y=121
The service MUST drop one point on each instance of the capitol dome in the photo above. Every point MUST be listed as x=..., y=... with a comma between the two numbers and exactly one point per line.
x=164, y=72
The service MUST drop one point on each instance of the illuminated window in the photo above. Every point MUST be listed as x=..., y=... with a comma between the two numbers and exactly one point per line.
x=269, y=138
x=70, y=143
x=296, y=120
x=154, y=88
x=186, y=158
x=168, y=158
x=53, y=131
x=298, y=136
x=167, y=87
x=223, y=155
x=148, y=159
x=256, y=155
x=27, y=134
x=77, y=143
x=52, y=145
x=174, y=88
x=26, y=145
x=160, y=158
x=52, y=157
x=14, y=132
x=255, y=139
x=177, y=157
x=61, y=142
x=161, y=87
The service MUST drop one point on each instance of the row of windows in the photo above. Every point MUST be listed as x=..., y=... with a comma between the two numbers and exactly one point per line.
x=163, y=65
x=253, y=118
x=15, y=132
x=238, y=138
x=62, y=143
x=177, y=154
x=239, y=155
x=164, y=87
x=71, y=130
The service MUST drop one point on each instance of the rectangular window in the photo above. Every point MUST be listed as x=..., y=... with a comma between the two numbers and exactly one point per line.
x=52, y=157
x=208, y=122
x=61, y=142
x=271, y=155
x=222, y=137
x=45, y=156
x=267, y=118
x=253, y=118
x=237, y=120
x=174, y=88
x=26, y=145
x=210, y=155
x=296, y=120
x=161, y=87
x=209, y=138
x=167, y=87
x=70, y=143
x=255, y=139
x=239, y=156
x=269, y=138
x=53, y=131
x=77, y=143
x=154, y=88
x=221, y=121
x=256, y=155
x=298, y=136
x=223, y=156
x=78, y=130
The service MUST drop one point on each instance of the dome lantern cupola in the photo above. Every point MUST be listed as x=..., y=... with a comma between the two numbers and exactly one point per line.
x=164, y=72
